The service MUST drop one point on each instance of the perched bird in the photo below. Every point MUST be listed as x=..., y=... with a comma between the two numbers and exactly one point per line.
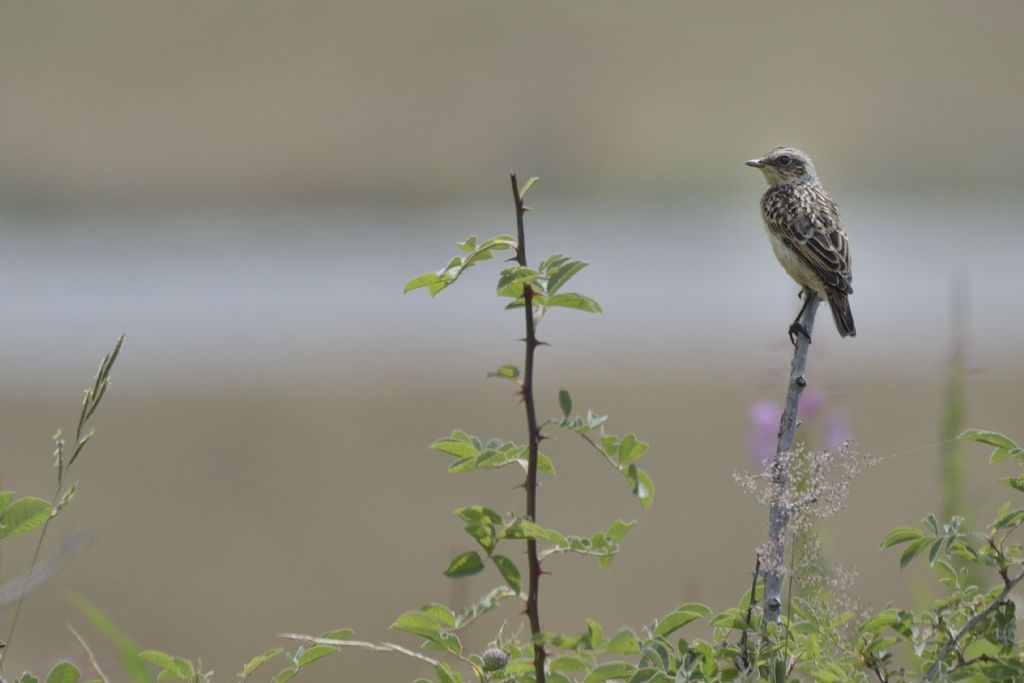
x=807, y=235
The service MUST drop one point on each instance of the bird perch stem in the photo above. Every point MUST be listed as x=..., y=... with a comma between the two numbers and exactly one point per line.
x=780, y=510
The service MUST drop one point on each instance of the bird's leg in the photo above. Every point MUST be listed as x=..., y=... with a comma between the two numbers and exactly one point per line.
x=796, y=328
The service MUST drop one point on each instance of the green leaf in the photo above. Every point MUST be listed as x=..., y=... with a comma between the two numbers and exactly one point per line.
x=5, y=499
x=1016, y=483
x=624, y=643
x=24, y=515
x=439, y=613
x=478, y=513
x=286, y=675
x=545, y=465
x=258, y=661
x=26, y=678
x=314, y=653
x=565, y=402
x=419, y=624
x=631, y=450
x=171, y=668
x=499, y=243
x=445, y=673
x=523, y=528
x=561, y=274
x=487, y=603
x=949, y=575
x=337, y=634
x=483, y=533
x=991, y=438
x=516, y=275
x=509, y=572
x=65, y=672
x=569, y=662
x=643, y=487
x=607, y=672
x=574, y=301
x=506, y=371
x=912, y=550
x=459, y=444
x=901, y=535
x=160, y=659
x=469, y=245
x=527, y=186
x=182, y=671
x=618, y=530
x=1008, y=519
x=465, y=564
x=730, y=618
x=879, y=623
x=425, y=280
x=1004, y=446
x=680, y=617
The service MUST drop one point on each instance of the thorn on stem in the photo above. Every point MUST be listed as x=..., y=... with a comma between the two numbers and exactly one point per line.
x=801, y=382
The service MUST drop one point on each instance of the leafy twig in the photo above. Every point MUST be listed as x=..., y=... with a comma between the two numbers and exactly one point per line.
x=1009, y=585
x=744, y=639
x=91, y=401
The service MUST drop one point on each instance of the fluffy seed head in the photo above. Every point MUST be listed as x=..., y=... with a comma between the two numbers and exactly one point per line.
x=494, y=659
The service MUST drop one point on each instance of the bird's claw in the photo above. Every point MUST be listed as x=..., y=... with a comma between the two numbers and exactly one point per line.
x=795, y=329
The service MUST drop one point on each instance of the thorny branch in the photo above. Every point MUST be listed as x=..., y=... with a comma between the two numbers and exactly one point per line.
x=532, y=601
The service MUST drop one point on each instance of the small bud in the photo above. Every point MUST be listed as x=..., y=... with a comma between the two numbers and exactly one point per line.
x=495, y=659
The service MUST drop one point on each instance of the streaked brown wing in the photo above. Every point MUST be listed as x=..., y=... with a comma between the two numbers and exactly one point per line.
x=815, y=232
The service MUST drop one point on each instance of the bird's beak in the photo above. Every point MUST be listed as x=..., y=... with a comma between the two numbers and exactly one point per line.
x=756, y=163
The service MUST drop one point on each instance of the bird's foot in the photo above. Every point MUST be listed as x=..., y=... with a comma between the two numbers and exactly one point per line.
x=795, y=329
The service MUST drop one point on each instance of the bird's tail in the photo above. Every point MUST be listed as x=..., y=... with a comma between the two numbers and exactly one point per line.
x=840, y=305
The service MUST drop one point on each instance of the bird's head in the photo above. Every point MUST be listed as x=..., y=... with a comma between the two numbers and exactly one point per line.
x=784, y=165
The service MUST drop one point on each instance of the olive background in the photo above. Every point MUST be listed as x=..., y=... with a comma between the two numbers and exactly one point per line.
x=243, y=188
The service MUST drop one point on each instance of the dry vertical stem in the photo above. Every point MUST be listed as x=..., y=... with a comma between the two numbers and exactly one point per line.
x=779, y=512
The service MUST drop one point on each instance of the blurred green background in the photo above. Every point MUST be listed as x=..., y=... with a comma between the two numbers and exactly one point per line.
x=244, y=187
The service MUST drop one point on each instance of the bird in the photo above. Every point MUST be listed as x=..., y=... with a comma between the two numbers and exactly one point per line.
x=807, y=235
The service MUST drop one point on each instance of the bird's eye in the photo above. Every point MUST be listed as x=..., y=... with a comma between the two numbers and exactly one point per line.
x=785, y=160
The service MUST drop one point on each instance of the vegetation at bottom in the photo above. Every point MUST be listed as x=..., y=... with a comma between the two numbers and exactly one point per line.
x=967, y=633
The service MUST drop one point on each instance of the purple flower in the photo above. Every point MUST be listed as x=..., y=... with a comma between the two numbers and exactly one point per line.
x=765, y=417
x=810, y=403
x=837, y=432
